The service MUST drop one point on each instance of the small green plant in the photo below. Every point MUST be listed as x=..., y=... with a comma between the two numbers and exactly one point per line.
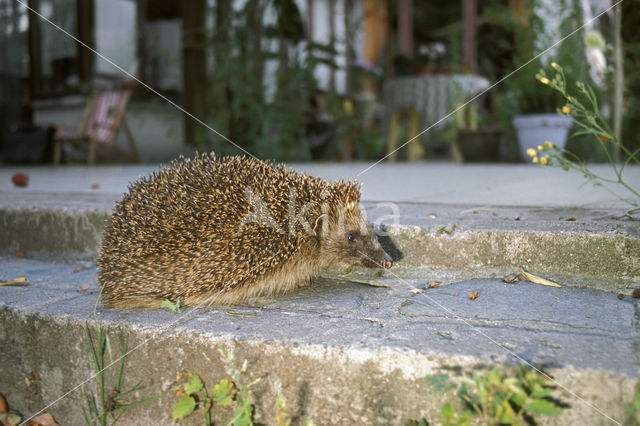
x=173, y=307
x=586, y=114
x=193, y=394
x=495, y=397
x=632, y=417
x=96, y=412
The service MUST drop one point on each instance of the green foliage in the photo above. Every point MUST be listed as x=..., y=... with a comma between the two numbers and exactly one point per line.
x=632, y=417
x=104, y=406
x=185, y=406
x=282, y=417
x=583, y=109
x=173, y=307
x=193, y=394
x=495, y=397
x=631, y=56
x=241, y=48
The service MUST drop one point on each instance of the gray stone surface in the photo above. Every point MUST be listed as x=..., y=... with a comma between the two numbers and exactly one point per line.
x=341, y=352
x=575, y=334
x=442, y=183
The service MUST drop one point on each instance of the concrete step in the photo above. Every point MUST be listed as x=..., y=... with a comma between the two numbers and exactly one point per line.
x=341, y=352
x=587, y=247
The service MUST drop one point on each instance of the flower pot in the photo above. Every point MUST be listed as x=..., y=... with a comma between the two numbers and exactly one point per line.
x=535, y=129
x=482, y=145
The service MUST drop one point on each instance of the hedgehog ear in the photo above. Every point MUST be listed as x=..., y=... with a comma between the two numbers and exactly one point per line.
x=317, y=226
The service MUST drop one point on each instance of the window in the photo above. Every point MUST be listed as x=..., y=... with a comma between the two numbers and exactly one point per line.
x=115, y=32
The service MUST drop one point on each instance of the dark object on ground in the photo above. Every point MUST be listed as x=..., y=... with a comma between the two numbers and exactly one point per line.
x=25, y=143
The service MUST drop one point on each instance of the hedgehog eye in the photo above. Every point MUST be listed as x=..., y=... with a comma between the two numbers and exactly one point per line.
x=350, y=237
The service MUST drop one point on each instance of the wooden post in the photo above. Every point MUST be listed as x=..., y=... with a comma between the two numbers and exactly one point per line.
x=195, y=68
x=405, y=27
x=469, y=48
x=35, y=57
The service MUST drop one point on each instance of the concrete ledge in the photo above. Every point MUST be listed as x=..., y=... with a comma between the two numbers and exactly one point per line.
x=340, y=353
x=597, y=248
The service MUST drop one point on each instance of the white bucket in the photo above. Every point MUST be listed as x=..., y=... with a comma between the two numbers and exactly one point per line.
x=536, y=129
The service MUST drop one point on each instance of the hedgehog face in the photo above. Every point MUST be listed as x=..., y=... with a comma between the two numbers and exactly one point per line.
x=349, y=239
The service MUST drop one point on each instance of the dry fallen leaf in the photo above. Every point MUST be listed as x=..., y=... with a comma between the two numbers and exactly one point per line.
x=415, y=291
x=369, y=283
x=473, y=295
x=78, y=269
x=510, y=279
x=570, y=219
x=18, y=282
x=240, y=315
x=434, y=284
x=4, y=407
x=19, y=253
x=536, y=279
x=84, y=287
x=44, y=419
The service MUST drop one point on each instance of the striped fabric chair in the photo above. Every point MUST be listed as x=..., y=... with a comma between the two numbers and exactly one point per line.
x=99, y=127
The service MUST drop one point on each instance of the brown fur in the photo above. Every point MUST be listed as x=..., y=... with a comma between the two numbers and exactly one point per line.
x=183, y=233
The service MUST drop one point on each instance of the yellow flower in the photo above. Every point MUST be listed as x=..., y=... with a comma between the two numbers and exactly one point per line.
x=544, y=80
x=540, y=148
x=535, y=160
x=548, y=145
x=555, y=66
x=566, y=109
x=544, y=160
x=532, y=152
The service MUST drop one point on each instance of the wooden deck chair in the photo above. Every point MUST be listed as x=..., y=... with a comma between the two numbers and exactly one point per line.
x=99, y=126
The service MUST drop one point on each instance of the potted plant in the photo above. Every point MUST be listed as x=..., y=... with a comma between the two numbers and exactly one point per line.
x=475, y=142
x=537, y=120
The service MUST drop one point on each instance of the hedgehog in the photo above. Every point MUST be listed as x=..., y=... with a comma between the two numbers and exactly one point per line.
x=214, y=230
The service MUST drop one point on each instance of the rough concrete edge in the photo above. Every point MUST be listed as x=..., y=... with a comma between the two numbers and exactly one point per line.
x=56, y=234
x=585, y=254
x=327, y=384
x=68, y=235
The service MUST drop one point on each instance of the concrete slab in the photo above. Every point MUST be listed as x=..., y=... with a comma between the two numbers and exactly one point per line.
x=318, y=339
x=343, y=353
x=429, y=182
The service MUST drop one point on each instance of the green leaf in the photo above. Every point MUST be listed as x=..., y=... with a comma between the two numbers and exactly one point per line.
x=440, y=382
x=445, y=229
x=184, y=407
x=544, y=407
x=421, y=422
x=447, y=411
x=542, y=393
x=194, y=384
x=519, y=399
x=223, y=392
x=173, y=307
x=242, y=417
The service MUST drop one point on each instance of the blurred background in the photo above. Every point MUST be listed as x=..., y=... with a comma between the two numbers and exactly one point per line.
x=322, y=80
